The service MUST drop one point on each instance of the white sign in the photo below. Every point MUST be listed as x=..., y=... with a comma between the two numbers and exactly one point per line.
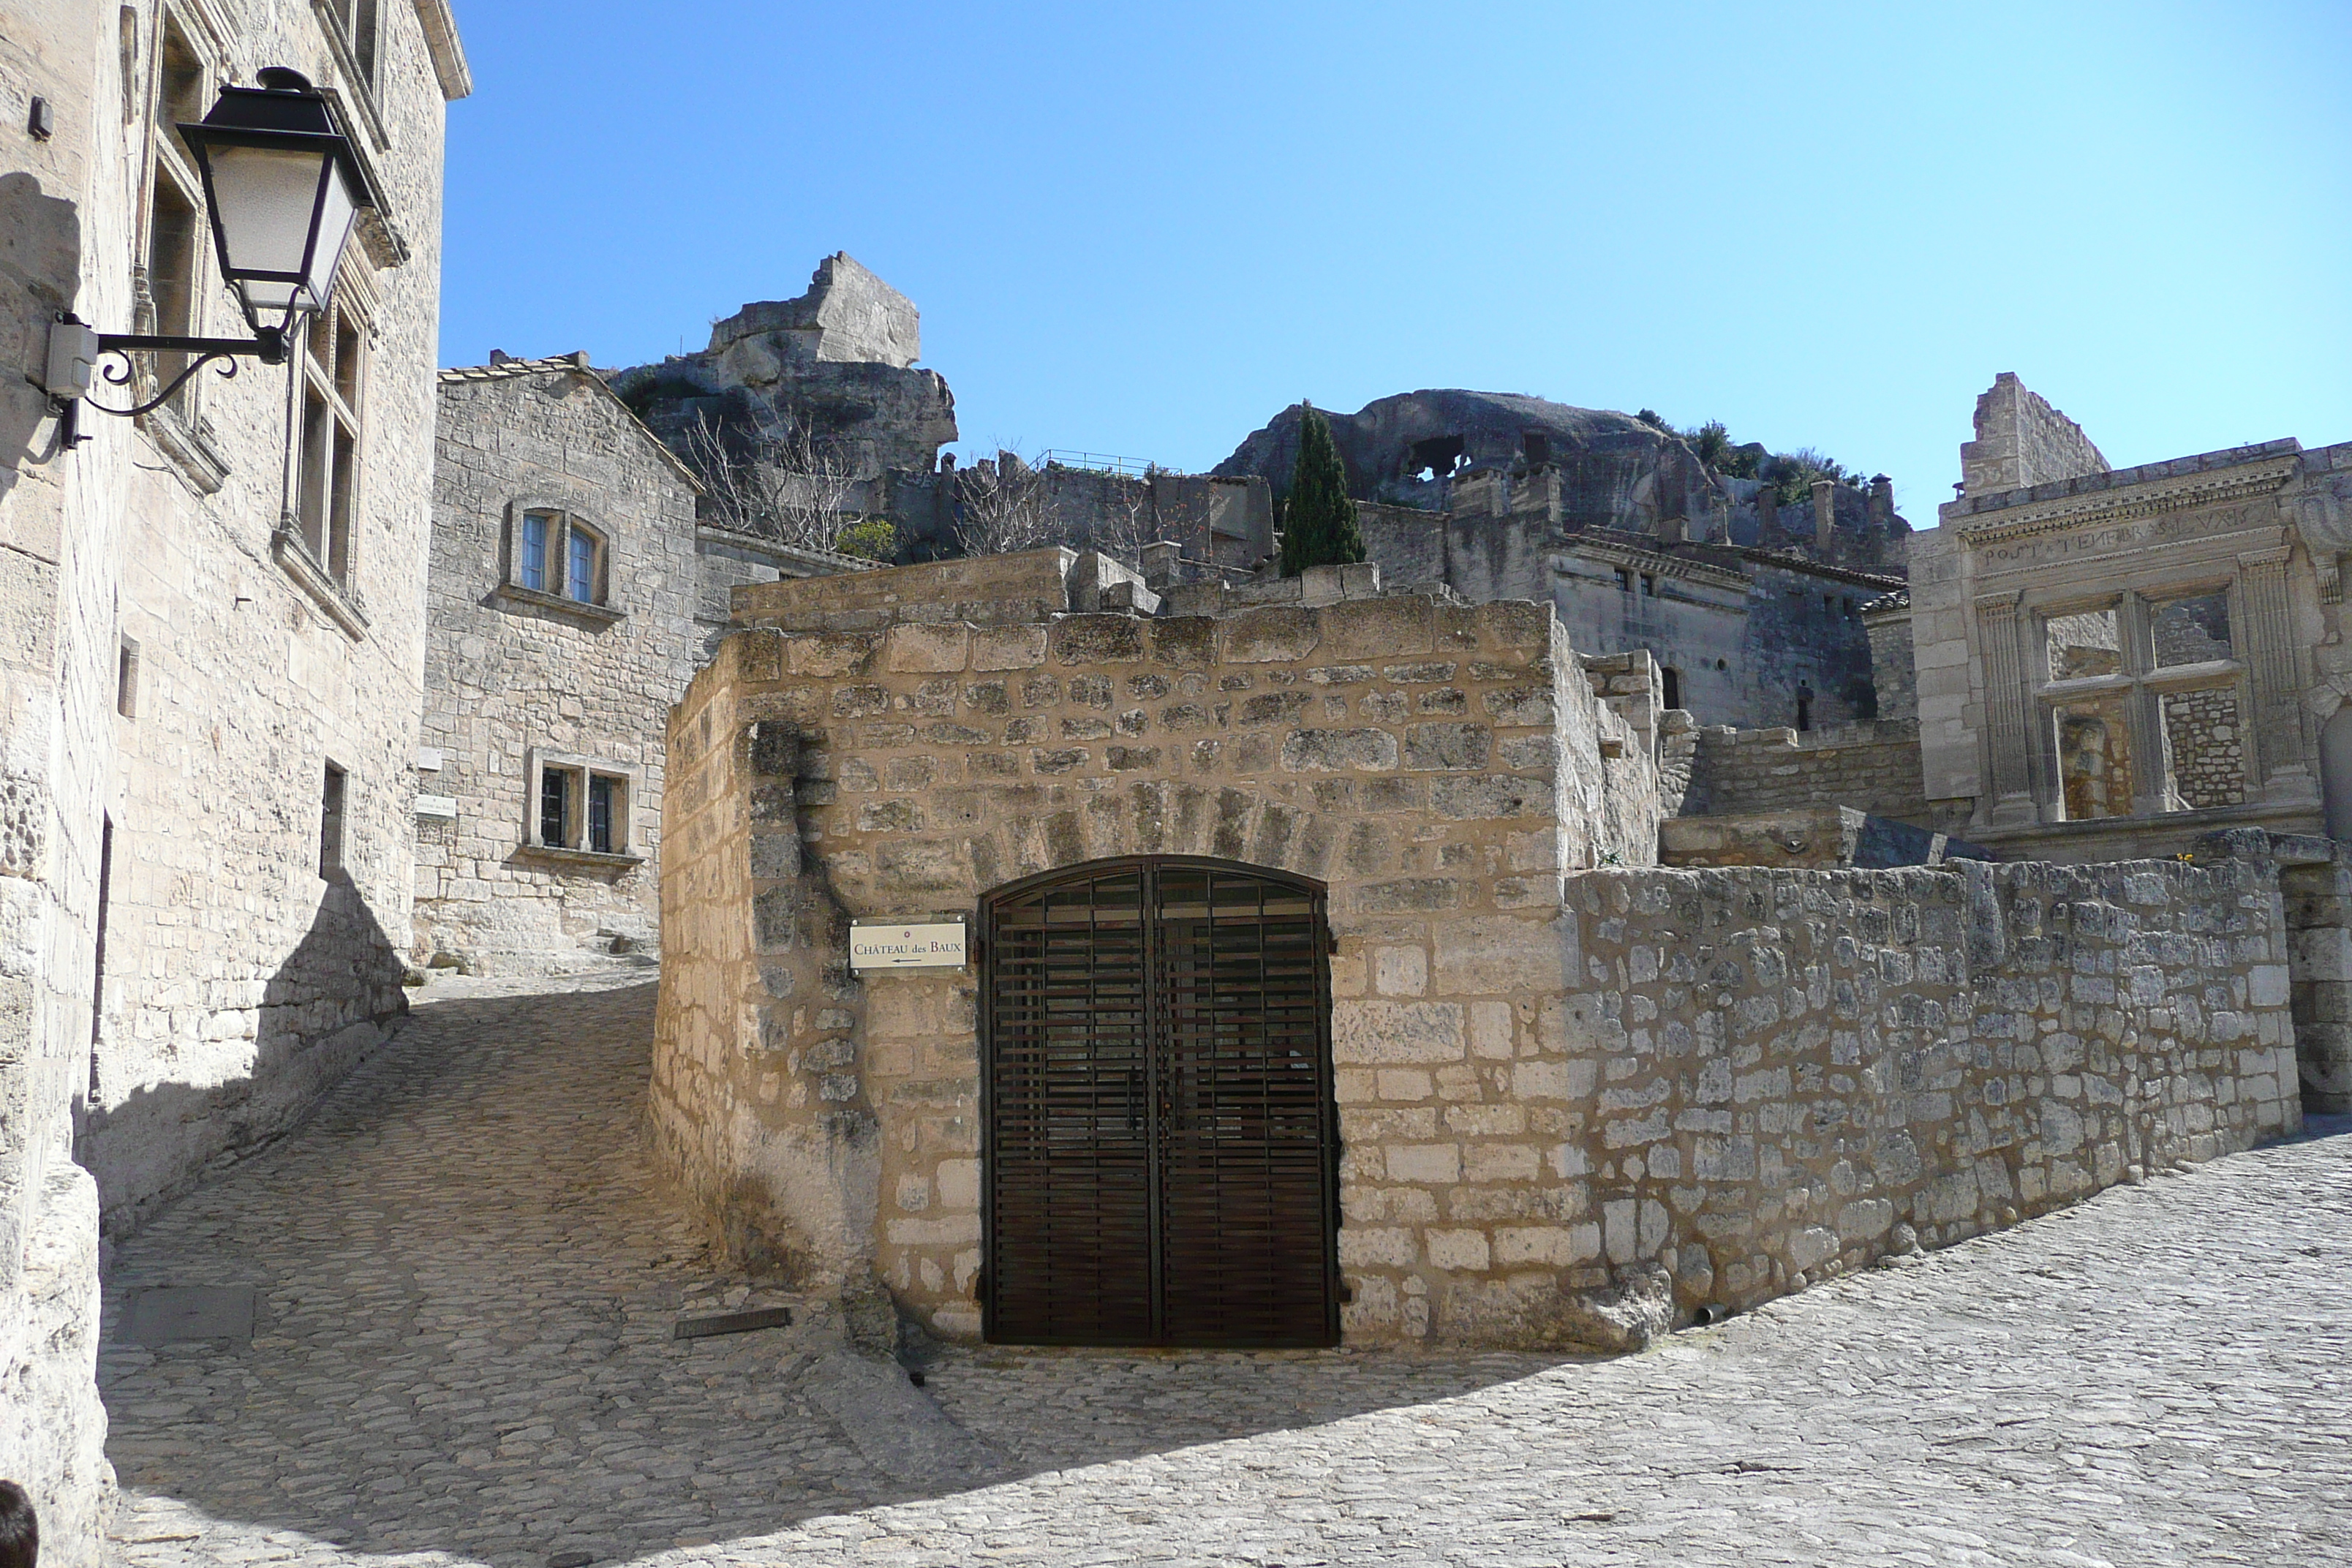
x=437, y=805
x=872, y=945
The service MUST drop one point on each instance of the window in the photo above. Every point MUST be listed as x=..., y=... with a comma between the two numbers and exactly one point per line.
x=331, y=824
x=581, y=805
x=2141, y=696
x=1624, y=581
x=530, y=563
x=1674, y=687
x=557, y=553
x=601, y=791
x=170, y=267
x=332, y=370
x=126, y=679
x=357, y=20
x=1649, y=584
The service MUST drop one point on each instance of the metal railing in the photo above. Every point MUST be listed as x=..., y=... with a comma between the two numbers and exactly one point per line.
x=1103, y=463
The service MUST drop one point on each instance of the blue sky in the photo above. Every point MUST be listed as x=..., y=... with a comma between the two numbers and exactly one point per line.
x=1143, y=230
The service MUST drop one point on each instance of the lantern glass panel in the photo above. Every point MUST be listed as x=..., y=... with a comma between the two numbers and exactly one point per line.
x=264, y=200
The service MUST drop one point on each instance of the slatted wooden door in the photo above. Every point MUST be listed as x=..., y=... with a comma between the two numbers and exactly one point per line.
x=1161, y=1146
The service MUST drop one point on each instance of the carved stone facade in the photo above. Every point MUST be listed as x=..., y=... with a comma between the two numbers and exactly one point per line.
x=2112, y=663
x=208, y=688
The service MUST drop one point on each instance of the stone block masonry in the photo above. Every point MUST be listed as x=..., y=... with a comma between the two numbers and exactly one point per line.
x=1439, y=767
x=511, y=674
x=1872, y=766
x=1793, y=1073
x=1551, y=1075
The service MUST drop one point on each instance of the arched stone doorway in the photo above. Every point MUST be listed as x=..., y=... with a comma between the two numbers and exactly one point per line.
x=1161, y=1149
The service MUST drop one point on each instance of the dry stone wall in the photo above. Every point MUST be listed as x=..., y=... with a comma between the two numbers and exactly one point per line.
x=1788, y=1074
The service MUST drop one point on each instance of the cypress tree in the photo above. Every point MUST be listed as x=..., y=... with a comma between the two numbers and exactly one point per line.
x=1318, y=520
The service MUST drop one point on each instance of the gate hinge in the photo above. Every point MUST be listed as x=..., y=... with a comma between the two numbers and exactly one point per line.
x=979, y=1283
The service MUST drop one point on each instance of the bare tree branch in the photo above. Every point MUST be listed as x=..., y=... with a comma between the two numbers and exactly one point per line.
x=1004, y=506
x=780, y=484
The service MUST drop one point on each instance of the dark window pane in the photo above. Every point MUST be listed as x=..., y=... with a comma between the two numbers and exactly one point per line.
x=600, y=815
x=330, y=824
x=555, y=808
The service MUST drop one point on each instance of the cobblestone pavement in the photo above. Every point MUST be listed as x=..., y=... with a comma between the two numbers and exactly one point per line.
x=468, y=1280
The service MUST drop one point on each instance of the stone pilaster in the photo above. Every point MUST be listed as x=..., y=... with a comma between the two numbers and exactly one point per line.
x=2009, y=718
x=2143, y=709
x=2282, y=749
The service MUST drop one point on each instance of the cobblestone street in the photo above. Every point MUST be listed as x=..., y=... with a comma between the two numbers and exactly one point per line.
x=467, y=1277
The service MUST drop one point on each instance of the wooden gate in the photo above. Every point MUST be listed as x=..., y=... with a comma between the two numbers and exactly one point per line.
x=1161, y=1146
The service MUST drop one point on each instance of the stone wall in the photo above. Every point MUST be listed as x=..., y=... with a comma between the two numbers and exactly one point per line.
x=60, y=538
x=2021, y=440
x=244, y=972
x=2318, y=897
x=1439, y=767
x=2135, y=571
x=1778, y=1076
x=1893, y=674
x=508, y=672
x=1872, y=766
x=174, y=679
x=2205, y=740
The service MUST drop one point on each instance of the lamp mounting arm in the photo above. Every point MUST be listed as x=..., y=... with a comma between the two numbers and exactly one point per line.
x=75, y=350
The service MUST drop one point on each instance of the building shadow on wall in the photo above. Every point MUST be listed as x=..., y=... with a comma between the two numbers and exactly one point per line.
x=38, y=279
x=329, y=1005
x=469, y=1272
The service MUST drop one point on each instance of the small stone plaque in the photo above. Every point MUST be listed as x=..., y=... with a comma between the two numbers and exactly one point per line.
x=166, y=1313
x=443, y=806
x=876, y=945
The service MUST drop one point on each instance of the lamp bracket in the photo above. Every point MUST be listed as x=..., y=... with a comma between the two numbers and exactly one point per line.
x=74, y=349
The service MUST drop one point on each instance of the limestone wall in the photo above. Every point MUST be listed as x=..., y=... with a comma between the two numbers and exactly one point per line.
x=1893, y=672
x=243, y=976
x=236, y=981
x=2021, y=440
x=1779, y=1075
x=1439, y=767
x=60, y=536
x=1548, y=1076
x=507, y=673
x=1872, y=766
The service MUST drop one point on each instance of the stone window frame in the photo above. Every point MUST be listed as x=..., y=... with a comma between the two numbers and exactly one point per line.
x=599, y=613
x=329, y=570
x=2142, y=683
x=177, y=429
x=536, y=762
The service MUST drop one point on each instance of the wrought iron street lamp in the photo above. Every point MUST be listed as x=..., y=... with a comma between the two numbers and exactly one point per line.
x=283, y=189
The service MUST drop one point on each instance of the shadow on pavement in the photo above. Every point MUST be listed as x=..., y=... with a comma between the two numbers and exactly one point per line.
x=467, y=1272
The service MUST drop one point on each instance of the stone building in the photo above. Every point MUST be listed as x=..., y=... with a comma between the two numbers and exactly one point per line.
x=1754, y=617
x=1322, y=985
x=208, y=688
x=2112, y=663
x=571, y=594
